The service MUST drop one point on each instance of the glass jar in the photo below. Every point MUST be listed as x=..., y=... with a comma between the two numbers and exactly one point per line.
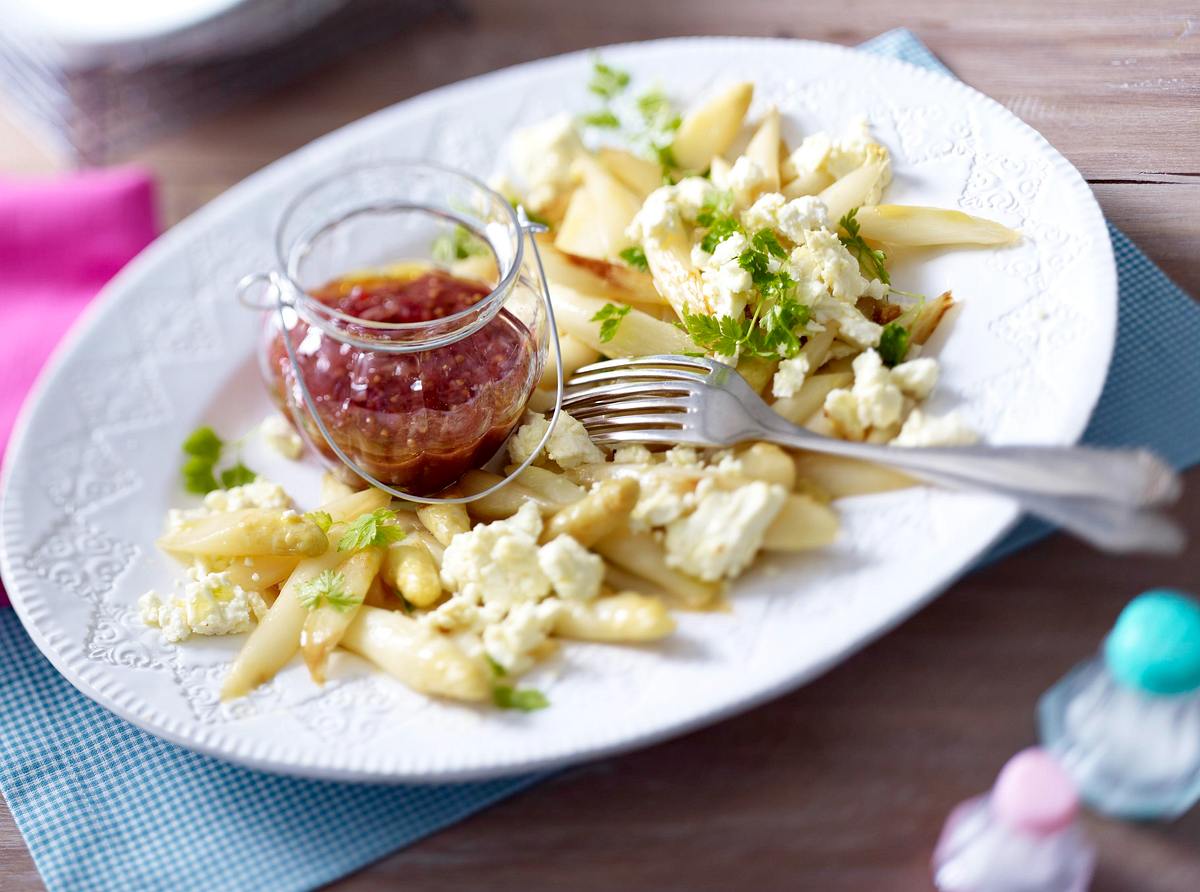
x=396, y=370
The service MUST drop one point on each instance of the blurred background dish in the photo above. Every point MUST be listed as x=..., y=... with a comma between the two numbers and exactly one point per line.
x=98, y=79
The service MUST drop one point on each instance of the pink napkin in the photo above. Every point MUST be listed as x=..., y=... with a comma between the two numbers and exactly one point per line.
x=61, y=239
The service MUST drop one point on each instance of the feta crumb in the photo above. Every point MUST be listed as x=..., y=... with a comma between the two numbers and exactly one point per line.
x=721, y=537
x=662, y=498
x=916, y=377
x=633, y=455
x=497, y=563
x=260, y=493
x=524, y=628
x=841, y=408
x=682, y=456
x=853, y=327
x=573, y=571
x=726, y=286
x=921, y=429
x=666, y=209
x=836, y=267
x=277, y=432
x=210, y=605
x=874, y=402
x=789, y=218
x=745, y=179
x=791, y=375
x=541, y=157
x=569, y=446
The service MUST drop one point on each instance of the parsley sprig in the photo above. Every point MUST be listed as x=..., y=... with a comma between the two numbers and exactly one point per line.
x=870, y=260
x=893, y=343
x=771, y=332
x=328, y=587
x=524, y=699
x=379, y=528
x=657, y=120
x=609, y=316
x=635, y=257
x=203, y=448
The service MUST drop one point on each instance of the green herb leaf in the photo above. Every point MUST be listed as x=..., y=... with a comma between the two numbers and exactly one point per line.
x=657, y=112
x=203, y=448
x=870, y=261
x=893, y=343
x=198, y=475
x=525, y=699
x=457, y=244
x=497, y=670
x=238, y=475
x=607, y=81
x=203, y=442
x=378, y=528
x=636, y=257
x=321, y=519
x=718, y=230
x=721, y=205
x=767, y=241
x=329, y=587
x=666, y=159
x=609, y=316
x=603, y=118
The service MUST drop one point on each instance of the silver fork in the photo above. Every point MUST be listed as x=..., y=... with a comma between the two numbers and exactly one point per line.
x=1104, y=496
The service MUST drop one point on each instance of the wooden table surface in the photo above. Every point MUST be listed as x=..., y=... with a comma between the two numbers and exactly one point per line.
x=843, y=784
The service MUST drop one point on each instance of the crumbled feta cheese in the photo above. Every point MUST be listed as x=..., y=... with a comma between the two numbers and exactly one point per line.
x=745, y=179
x=916, y=377
x=258, y=494
x=853, y=327
x=497, y=563
x=880, y=402
x=921, y=429
x=277, y=432
x=721, y=537
x=210, y=605
x=791, y=375
x=874, y=402
x=573, y=570
x=524, y=628
x=820, y=154
x=808, y=157
x=725, y=284
x=632, y=455
x=261, y=493
x=789, y=218
x=541, y=157
x=841, y=408
x=666, y=209
x=836, y=267
x=662, y=498
x=569, y=446
x=682, y=456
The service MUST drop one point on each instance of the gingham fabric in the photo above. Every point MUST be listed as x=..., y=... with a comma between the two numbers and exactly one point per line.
x=103, y=805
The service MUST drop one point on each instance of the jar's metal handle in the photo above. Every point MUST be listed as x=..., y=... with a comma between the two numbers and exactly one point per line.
x=280, y=303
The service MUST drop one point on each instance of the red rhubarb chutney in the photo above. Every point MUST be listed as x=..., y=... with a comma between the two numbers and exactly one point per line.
x=416, y=421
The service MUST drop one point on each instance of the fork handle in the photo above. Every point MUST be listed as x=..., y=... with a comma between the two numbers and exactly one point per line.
x=1100, y=495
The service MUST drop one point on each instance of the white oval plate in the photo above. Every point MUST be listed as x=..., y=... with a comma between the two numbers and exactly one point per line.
x=94, y=464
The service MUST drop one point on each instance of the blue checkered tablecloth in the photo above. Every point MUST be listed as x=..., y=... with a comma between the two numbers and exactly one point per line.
x=103, y=805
